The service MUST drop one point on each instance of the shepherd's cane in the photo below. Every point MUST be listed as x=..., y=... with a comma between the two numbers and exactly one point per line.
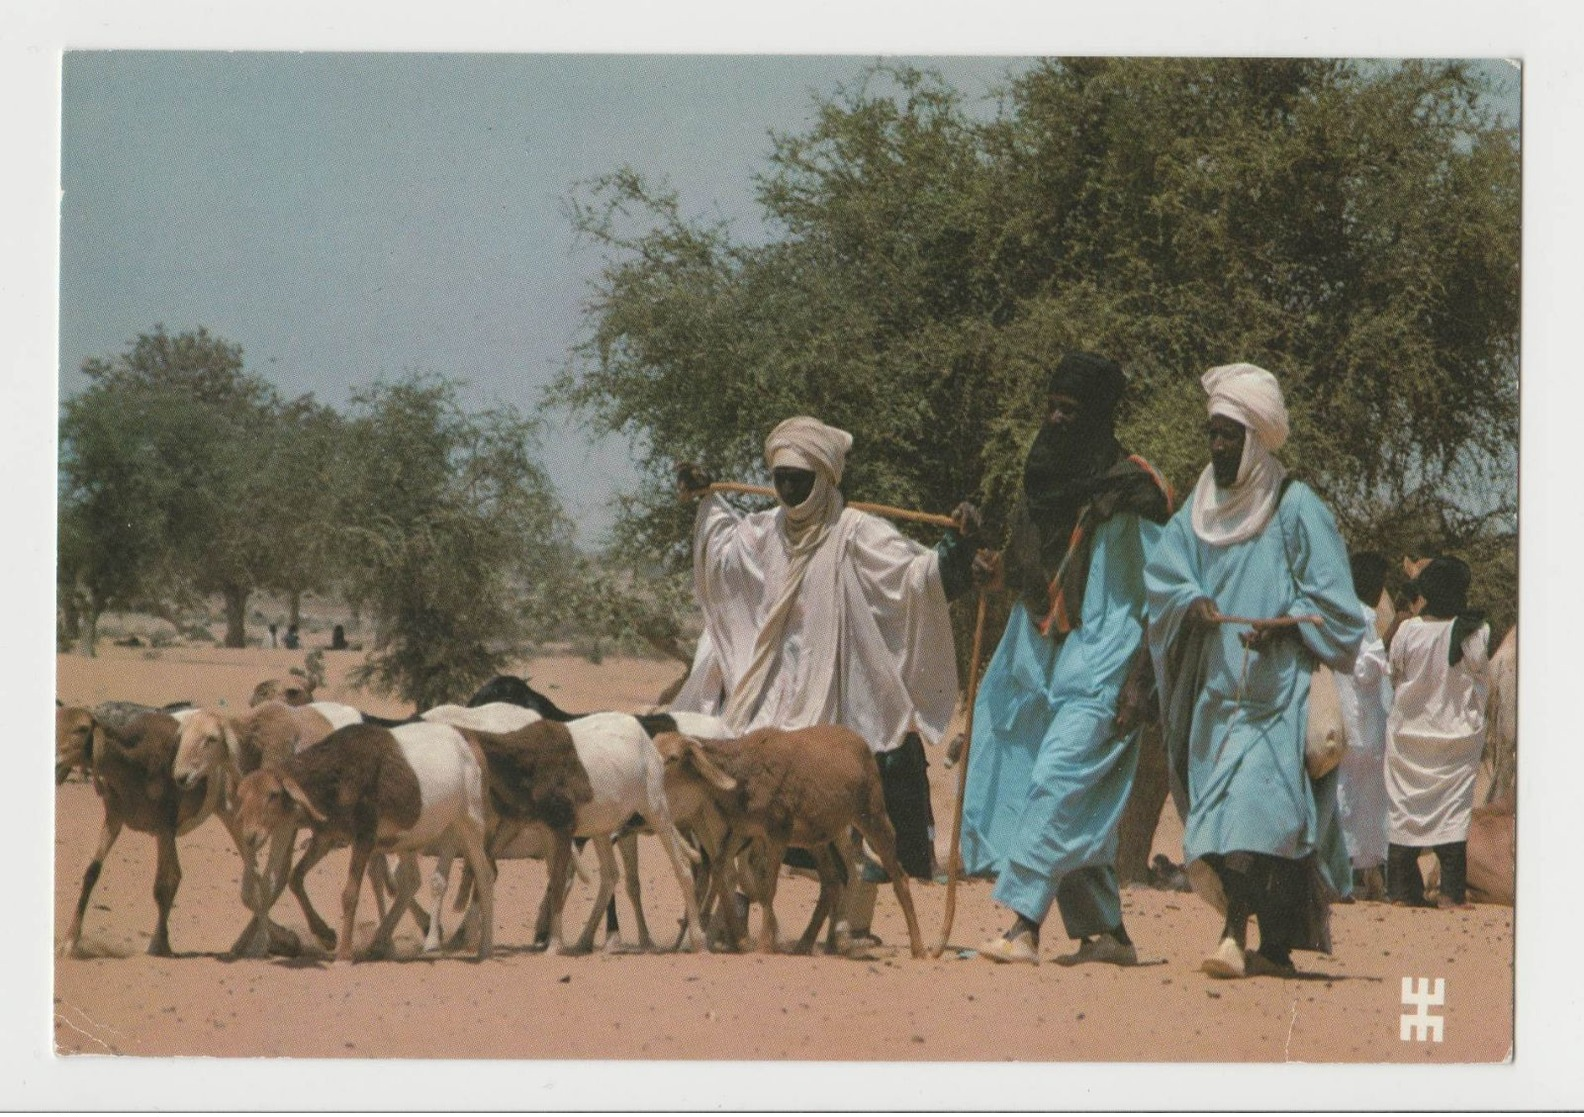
x=885, y=510
x=954, y=859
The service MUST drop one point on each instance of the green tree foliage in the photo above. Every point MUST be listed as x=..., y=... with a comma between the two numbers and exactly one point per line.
x=453, y=538
x=178, y=480
x=1352, y=227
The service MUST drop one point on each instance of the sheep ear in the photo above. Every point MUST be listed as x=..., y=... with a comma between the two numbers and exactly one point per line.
x=707, y=767
x=294, y=789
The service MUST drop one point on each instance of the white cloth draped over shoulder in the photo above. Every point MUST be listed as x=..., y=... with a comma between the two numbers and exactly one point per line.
x=865, y=639
x=1436, y=732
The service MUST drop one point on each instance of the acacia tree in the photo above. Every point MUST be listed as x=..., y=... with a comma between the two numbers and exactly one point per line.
x=453, y=542
x=1352, y=228
x=177, y=472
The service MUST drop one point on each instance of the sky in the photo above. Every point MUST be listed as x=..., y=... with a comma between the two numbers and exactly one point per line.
x=350, y=217
x=347, y=217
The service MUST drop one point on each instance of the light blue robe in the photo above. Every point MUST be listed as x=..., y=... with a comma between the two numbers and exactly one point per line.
x=1047, y=776
x=1234, y=723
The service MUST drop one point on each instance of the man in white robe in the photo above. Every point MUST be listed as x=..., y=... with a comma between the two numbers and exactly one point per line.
x=1365, y=698
x=816, y=613
x=1436, y=733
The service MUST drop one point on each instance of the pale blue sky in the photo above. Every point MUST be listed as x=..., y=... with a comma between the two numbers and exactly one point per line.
x=345, y=217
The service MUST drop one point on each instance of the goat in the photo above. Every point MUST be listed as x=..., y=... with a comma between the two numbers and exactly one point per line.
x=399, y=790
x=804, y=788
x=131, y=770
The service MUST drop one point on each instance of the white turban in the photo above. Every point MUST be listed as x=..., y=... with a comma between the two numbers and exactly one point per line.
x=805, y=443
x=1249, y=396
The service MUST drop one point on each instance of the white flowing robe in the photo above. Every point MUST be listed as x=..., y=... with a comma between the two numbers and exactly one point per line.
x=867, y=643
x=1436, y=732
x=1365, y=698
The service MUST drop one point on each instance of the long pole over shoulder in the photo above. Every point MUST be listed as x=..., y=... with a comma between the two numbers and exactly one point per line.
x=886, y=510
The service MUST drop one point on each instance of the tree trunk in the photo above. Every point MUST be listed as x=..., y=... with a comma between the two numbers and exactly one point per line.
x=236, y=617
x=90, y=632
x=1136, y=831
x=294, y=608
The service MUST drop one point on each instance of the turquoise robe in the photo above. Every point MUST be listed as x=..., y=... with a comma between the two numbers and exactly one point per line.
x=1235, y=724
x=1047, y=776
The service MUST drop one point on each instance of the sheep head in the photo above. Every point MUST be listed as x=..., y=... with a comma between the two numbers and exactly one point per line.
x=74, y=728
x=207, y=743
x=268, y=800
x=683, y=753
x=290, y=690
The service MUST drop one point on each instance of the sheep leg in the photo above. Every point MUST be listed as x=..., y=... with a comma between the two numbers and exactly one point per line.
x=629, y=854
x=439, y=881
x=830, y=889
x=279, y=939
x=772, y=851
x=167, y=879
x=402, y=892
x=850, y=850
x=478, y=860
x=108, y=833
x=361, y=850
x=877, y=831
x=317, y=848
x=607, y=888
x=380, y=883
x=556, y=889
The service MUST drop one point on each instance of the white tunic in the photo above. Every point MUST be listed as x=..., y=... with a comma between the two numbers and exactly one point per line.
x=867, y=643
x=1365, y=698
x=1436, y=732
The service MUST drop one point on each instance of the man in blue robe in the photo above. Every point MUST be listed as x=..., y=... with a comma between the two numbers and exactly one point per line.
x=1056, y=718
x=1260, y=837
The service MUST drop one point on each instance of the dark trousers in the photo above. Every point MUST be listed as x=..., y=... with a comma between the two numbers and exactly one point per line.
x=1405, y=885
x=1269, y=888
x=904, y=777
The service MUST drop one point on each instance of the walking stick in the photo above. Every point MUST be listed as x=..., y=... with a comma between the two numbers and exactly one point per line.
x=886, y=510
x=954, y=859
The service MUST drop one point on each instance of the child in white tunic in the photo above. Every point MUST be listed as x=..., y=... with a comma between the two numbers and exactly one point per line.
x=1365, y=698
x=1436, y=733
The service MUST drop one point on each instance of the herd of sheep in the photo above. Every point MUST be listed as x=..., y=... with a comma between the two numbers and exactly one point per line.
x=509, y=775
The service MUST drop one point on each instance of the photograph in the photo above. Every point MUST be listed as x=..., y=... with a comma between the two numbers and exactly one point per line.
x=988, y=567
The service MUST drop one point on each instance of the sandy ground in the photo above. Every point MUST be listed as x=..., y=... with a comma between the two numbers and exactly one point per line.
x=1343, y=1008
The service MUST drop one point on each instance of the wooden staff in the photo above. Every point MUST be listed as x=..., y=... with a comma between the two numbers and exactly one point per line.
x=1268, y=622
x=954, y=858
x=885, y=510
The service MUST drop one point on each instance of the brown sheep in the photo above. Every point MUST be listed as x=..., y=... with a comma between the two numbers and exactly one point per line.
x=131, y=771
x=803, y=788
x=291, y=690
x=74, y=726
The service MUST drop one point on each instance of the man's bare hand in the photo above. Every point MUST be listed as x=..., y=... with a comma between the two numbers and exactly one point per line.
x=693, y=480
x=967, y=520
x=1202, y=611
x=1263, y=635
x=988, y=571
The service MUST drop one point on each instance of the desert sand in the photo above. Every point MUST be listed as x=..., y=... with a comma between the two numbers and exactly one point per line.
x=678, y=1006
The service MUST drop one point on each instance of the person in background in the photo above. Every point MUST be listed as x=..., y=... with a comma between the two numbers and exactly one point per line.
x=1439, y=662
x=1365, y=697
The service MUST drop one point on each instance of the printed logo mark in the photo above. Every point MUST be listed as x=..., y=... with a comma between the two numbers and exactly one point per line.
x=1419, y=1024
